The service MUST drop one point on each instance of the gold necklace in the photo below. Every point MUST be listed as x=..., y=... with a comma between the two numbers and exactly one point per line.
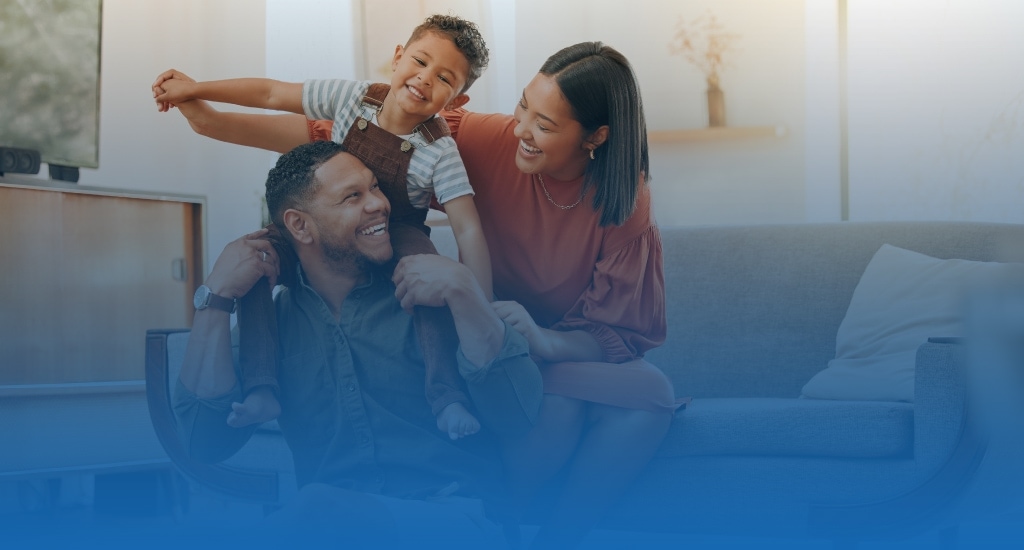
x=552, y=201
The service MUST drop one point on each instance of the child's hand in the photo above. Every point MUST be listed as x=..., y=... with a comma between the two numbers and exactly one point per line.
x=175, y=91
x=161, y=90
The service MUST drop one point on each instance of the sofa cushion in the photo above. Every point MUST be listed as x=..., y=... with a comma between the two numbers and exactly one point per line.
x=902, y=299
x=791, y=427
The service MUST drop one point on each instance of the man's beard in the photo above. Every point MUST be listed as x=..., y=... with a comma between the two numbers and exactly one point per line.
x=344, y=259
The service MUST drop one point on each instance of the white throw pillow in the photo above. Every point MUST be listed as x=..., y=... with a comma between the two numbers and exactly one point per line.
x=902, y=299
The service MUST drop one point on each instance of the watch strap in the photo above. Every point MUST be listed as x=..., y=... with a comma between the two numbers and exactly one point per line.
x=217, y=301
x=204, y=298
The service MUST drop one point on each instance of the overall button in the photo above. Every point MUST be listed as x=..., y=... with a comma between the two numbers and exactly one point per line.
x=351, y=387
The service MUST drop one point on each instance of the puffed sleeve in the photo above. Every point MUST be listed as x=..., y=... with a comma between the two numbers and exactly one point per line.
x=454, y=119
x=319, y=130
x=624, y=307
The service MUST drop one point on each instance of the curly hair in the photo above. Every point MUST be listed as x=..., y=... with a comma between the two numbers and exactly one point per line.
x=292, y=182
x=466, y=37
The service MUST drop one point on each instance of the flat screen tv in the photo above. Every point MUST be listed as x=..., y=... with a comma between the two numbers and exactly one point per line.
x=50, y=79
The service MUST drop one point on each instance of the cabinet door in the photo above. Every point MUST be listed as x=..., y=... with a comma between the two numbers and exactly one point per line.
x=84, y=276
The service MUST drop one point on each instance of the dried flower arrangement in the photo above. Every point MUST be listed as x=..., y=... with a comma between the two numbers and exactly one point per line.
x=704, y=43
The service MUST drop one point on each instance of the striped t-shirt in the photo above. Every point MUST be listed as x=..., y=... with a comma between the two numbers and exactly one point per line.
x=434, y=169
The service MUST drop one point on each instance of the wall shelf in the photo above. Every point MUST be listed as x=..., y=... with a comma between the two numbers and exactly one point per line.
x=716, y=134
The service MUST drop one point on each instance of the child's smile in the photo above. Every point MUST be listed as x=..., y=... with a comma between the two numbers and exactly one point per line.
x=426, y=76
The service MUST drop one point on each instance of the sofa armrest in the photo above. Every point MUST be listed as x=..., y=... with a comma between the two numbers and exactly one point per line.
x=258, y=486
x=940, y=400
x=947, y=451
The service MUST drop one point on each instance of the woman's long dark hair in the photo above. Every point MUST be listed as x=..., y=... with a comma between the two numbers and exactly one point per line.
x=600, y=86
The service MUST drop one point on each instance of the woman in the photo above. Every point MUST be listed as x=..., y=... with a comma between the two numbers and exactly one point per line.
x=562, y=192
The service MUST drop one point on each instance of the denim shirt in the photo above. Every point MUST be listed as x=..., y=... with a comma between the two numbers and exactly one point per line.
x=353, y=408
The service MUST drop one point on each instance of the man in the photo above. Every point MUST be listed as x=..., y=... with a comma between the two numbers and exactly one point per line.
x=367, y=454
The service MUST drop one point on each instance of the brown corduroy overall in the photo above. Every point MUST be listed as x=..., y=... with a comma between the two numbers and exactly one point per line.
x=388, y=156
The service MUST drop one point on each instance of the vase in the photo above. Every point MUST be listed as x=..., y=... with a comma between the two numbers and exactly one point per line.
x=716, y=105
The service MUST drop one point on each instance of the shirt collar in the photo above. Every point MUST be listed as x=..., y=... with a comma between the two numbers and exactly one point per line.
x=310, y=296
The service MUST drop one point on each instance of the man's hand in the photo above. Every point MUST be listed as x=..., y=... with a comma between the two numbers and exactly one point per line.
x=242, y=263
x=170, y=88
x=428, y=280
x=518, y=318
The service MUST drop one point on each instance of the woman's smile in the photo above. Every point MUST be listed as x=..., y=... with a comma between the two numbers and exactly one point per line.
x=526, y=150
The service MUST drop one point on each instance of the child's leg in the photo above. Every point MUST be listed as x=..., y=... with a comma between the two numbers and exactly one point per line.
x=257, y=346
x=257, y=357
x=439, y=342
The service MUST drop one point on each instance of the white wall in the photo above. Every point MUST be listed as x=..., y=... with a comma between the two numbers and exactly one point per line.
x=822, y=197
x=299, y=49
x=935, y=113
x=936, y=110
x=141, y=149
x=337, y=49
x=748, y=180
x=717, y=182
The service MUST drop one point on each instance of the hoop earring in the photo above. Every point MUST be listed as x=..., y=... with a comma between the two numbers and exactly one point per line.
x=591, y=154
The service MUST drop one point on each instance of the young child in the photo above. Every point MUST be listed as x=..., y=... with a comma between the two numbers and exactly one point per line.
x=396, y=132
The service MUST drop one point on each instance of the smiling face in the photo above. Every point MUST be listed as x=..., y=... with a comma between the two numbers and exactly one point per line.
x=551, y=141
x=349, y=215
x=428, y=74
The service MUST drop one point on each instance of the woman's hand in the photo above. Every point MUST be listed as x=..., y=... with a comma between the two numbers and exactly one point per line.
x=518, y=318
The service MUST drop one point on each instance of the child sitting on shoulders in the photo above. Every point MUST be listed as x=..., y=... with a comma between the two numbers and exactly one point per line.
x=393, y=129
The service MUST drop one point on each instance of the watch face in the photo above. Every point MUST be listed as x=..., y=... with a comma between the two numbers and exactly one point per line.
x=201, y=297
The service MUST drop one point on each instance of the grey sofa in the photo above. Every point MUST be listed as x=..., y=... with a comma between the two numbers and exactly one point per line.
x=753, y=314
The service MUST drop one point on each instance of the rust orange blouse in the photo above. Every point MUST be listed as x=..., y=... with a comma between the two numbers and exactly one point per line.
x=561, y=265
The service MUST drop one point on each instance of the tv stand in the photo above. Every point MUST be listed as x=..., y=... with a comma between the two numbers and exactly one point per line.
x=63, y=173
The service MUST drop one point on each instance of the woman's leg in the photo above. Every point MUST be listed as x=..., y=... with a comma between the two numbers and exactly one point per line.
x=532, y=459
x=617, y=445
x=627, y=409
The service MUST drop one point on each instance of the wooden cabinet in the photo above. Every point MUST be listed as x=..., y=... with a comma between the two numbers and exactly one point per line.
x=85, y=273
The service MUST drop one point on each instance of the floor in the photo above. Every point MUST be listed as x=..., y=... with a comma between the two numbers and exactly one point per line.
x=141, y=510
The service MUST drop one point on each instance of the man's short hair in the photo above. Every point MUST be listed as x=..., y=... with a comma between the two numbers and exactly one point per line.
x=292, y=182
x=464, y=35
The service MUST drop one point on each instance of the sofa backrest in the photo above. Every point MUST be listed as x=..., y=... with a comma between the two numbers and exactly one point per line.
x=753, y=311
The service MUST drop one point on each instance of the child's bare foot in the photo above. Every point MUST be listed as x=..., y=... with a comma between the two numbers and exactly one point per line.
x=457, y=421
x=259, y=406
